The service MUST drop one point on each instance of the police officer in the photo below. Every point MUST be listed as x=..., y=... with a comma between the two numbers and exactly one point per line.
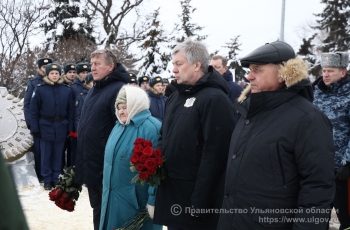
x=81, y=69
x=133, y=79
x=51, y=119
x=332, y=97
x=69, y=74
x=42, y=62
x=144, y=82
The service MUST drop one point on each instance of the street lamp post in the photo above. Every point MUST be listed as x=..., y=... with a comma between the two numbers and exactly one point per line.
x=282, y=20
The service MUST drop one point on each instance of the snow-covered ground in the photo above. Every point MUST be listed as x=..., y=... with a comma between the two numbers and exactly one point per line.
x=42, y=214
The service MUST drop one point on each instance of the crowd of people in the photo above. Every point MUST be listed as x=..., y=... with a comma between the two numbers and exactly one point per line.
x=271, y=154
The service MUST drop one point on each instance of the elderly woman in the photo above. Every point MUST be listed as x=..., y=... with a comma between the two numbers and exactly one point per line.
x=121, y=200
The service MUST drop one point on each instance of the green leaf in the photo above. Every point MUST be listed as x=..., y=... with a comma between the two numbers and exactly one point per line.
x=135, y=179
x=69, y=181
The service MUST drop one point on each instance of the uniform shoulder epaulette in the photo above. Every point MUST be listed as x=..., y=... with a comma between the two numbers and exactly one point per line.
x=39, y=85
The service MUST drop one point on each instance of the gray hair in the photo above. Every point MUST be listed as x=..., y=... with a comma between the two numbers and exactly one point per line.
x=194, y=51
x=107, y=54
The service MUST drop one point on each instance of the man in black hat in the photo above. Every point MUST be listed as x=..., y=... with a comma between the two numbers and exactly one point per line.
x=69, y=74
x=157, y=99
x=133, y=79
x=144, y=82
x=332, y=96
x=280, y=169
x=32, y=83
x=165, y=84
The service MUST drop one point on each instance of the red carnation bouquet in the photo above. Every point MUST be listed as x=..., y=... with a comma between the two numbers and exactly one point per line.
x=148, y=162
x=66, y=192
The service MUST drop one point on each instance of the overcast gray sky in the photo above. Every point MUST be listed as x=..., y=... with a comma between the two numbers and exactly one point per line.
x=257, y=21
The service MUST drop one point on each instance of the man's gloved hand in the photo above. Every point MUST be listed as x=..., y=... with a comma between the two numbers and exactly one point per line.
x=343, y=172
x=150, y=210
x=36, y=134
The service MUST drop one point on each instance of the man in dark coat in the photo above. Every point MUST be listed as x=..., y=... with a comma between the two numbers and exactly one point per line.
x=42, y=62
x=220, y=64
x=156, y=97
x=195, y=136
x=96, y=122
x=280, y=169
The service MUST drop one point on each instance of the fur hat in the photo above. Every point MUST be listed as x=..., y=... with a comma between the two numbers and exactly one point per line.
x=133, y=78
x=155, y=80
x=274, y=52
x=69, y=67
x=142, y=79
x=43, y=61
x=53, y=66
x=83, y=66
x=88, y=78
x=336, y=60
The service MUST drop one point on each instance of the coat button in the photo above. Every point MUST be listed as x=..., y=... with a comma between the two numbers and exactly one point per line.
x=234, y=156
x=247, y=121
x=122, y=156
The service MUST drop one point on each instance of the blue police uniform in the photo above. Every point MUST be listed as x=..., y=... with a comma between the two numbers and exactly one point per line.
x=51, y=118
x=32, y=83
x=157, y=104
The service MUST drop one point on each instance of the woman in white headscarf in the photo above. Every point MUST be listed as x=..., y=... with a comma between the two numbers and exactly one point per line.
x=121, y=200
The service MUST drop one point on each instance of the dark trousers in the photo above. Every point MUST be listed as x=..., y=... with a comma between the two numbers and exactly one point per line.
x=51, y=160
x=66, y=149
x=95, y=197
x=340, y=203
x=37, y=157
x=73, y=151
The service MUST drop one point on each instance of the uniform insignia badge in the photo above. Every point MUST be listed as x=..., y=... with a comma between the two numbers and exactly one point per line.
x=130, y=74
x=145, y=78
x=189, y=102
x=85, y=66
x=46, y=61
x=54, y=66
x=76, y=103
x=72, y=66
x=158, y=78
x=132, y=79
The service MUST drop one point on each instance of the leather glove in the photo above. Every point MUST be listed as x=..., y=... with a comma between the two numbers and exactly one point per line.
x=150, y=210
x=343, y=172
x=36, y=134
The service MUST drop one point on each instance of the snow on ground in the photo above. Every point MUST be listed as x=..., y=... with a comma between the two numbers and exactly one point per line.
x=43, y=214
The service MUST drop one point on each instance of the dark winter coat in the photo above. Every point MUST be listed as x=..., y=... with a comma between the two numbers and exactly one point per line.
x=195, y=138
x=235, y=89
x=96, y=122
x=66, y=81
x=52, y=101
x=171, y=88
x=157, y=104
x=78, y=106
x=32, y=83
x=335, y=103
x=77, y=86
x=280, y=162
